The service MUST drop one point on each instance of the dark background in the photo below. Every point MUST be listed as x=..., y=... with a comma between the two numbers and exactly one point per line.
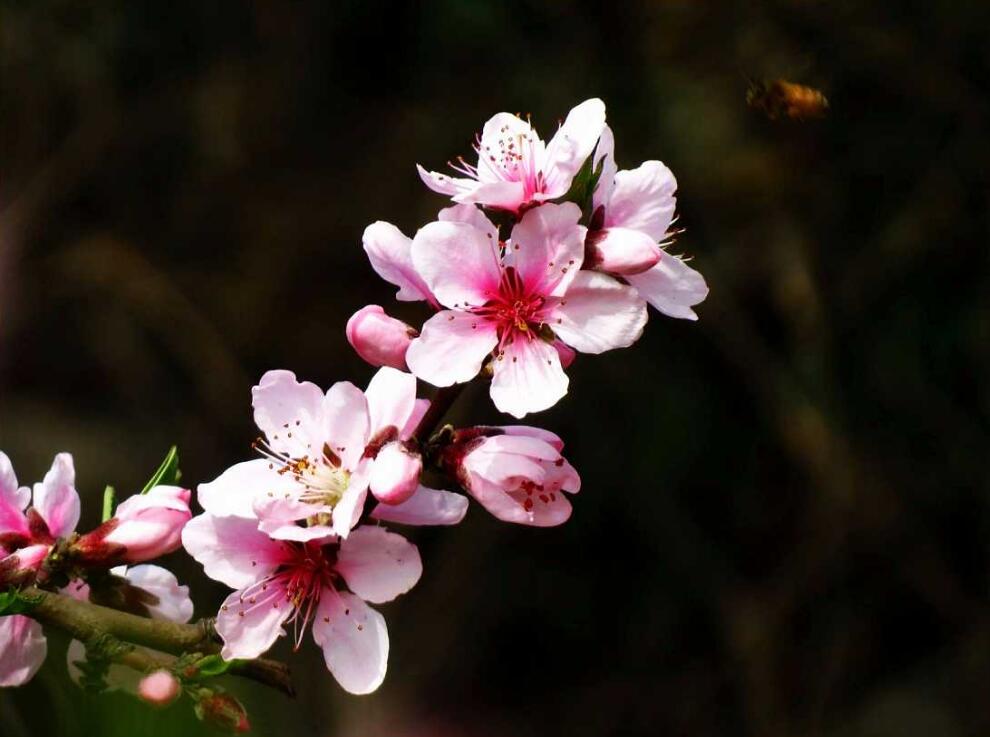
x=784, y=522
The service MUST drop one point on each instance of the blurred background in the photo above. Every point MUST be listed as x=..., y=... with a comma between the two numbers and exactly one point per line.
x=783, y=528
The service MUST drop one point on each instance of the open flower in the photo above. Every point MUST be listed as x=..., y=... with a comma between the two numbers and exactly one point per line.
x=319, y=456
x=323, y=583
x=512, y=300
x=515, y=168
x=515, y=472
x=633, y=212
x=27, y=533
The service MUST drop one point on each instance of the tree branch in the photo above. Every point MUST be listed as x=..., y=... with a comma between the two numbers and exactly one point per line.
x=442, y=401
x=84, y=621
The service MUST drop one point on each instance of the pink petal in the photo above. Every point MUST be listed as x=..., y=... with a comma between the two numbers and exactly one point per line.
x=379, y=339
x=391, y=397
x=549, y=511
x=55, y=498
x=395, y=473
x=378, y=565
x=546, y=436
x=388, y=251
x=250, y=621
x=288, y=412
x=13, y=501
x=643, y=199
x=425, y=507
x=348, y=510
x=528, y=377
x=621, y=251
x=419, y=410
x=472, y=215
x=232, y=550
x=605, y=156
x=444, y=184
x=501, y=131
x=499, y=195
x=234, y=492
x=572, y=145
x=547, y=247
x=174, y=603
x=354, y=640
x=672, y=287
x=22, y=649
x=599, y=314
x=457, y=261
x=451, y=348
x=283, y=530
x=344, y=424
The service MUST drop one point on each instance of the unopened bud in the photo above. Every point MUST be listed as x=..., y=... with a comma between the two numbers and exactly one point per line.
x=620, y=251
x=395, y=473
x=224, y=711
x=379, y=339
x=160, y=688
x=22, y=567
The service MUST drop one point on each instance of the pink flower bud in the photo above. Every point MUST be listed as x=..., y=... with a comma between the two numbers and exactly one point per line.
x=620, y=251
x=160, y=688
x=395, y=473
x=22, y=566
x=224, y=711
x=516, y=472
x=144, y=527
x=379, y=339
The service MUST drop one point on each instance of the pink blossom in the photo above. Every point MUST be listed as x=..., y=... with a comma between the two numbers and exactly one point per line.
x=319, y=454
x=388, y=251
x=379, y=339
x=160, y=688
x=516, y=472
x=512, y=300
x=22, y=649
x=633, y=212
x=515, y=168
x=144, y=527
x=324, y=583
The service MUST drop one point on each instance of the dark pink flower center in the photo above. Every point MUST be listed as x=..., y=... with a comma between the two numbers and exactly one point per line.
x=514, y=309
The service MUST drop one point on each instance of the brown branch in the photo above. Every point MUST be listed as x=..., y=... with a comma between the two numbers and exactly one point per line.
x=84, y=621
x=442, y=401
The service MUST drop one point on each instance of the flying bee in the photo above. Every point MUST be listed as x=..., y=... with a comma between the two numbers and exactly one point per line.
x=782, y=99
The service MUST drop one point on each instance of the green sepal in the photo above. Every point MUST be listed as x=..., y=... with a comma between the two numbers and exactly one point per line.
x=16, y=602
x=109, y=502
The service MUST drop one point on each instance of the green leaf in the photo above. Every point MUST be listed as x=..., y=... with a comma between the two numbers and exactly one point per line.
x=14, y=602
x=109, y=501
x=583, y=186
x=168, y=473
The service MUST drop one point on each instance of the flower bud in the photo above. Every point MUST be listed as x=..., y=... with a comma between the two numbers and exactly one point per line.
x=144, y=527
x=395, y=473
x=516, y=472
x=160, y=688
x=222, y=710
x=379, y=339
x=620, y=251
x=22, y=566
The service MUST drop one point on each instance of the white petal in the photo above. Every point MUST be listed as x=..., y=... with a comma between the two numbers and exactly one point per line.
x=234, y=492
x=378, y=565
x=174, y=603
x=599, y=314
x=605, y=156
x=354, y=640
x=643, y=199
x=572, y=145
x=451, y=348
x=344, y=424
x=388, y=252
x=287, y=411
x=391, y=396
x=528, y=377
x=672, y=287
x=55, y=498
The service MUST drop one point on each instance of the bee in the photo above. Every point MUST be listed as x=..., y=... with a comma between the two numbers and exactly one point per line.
x=782, y=99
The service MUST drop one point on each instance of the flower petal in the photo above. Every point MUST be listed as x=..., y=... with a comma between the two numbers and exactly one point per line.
x=527, y=377
x=378, y=565
x=547, y=247
x=232, y=550
x=643, y=199
x=344, y=424
x=605, y=157
x=425, y=507
x=388, y=252
x=22, y=649
x=472, y=215
x=500, y=195
x=234, y=492
x=354, y=640
x=451, y=348
x=444, y=184
x=672, y=287
x=288, y=412
x=55, y=498
x=599, y=314
x=391, y=397
x=174, y=603
x=251, y=620
x=572, y=144
x=621, y=251
x=13, y=501
x=457, y=261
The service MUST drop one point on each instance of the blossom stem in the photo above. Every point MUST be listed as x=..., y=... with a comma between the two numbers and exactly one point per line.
x=84, y=621
x=442, y=401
